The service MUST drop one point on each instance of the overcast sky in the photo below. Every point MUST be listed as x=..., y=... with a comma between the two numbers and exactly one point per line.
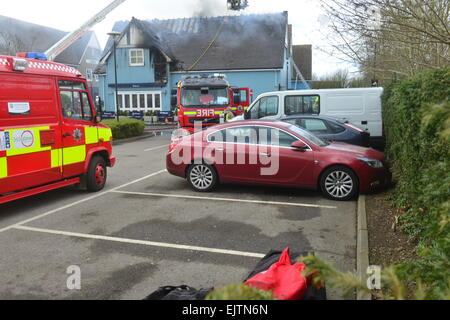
x=67, y=15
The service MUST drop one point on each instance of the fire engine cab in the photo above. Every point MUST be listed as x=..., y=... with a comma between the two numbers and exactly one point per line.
x=50, y=136
x=205, y=100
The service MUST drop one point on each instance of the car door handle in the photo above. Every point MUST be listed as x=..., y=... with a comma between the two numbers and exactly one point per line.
x=264, y=154
x=220, y=149
x=66, y=135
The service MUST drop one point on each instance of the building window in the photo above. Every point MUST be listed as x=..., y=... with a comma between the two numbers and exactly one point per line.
x=157, y=101
x=134, y=100
x=141, y=101
x=136, y=57
x=120, y=101
x=149, y=101
x=89, y=75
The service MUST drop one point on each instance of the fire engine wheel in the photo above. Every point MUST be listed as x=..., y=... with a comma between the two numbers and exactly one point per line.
x=96, y=176
x=202, y=177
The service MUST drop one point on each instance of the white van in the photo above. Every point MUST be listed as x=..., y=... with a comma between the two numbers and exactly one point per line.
x=360, y=107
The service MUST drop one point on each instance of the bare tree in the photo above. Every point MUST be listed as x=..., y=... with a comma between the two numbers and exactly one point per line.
x=387, y=37
x=337, y=79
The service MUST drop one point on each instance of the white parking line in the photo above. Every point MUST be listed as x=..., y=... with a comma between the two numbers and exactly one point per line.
x=141, y=242
x=81, y=201
x=157, y=148
x=225, y=199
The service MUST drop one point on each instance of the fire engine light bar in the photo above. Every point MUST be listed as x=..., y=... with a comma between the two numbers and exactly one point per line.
x=37, y=56
x=20, y=64
x=33, y=55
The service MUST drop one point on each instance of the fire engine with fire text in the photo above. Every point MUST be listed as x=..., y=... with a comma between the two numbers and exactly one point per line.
x=207, y=100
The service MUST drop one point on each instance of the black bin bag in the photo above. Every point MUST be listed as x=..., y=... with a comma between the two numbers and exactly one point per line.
x=184, y=293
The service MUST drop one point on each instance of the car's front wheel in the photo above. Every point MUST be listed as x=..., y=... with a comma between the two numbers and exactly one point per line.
x=202, y=177
x=339, y=183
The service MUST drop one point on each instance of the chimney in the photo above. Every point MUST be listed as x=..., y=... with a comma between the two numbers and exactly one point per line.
x=290, y=39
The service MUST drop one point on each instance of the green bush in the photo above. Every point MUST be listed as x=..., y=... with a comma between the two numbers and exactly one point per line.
x=125, y=128
x=416, y=116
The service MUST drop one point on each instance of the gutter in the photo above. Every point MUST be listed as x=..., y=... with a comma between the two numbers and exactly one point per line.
x=222, y=71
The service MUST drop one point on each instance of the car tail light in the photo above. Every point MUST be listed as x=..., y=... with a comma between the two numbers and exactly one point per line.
x=353, y=127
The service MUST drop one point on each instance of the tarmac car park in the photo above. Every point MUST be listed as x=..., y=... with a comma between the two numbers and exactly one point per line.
x=148, y=229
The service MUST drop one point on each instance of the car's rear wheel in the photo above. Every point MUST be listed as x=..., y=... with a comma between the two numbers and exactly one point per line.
x=202, y=177
x=339, y=183
x=97, y=174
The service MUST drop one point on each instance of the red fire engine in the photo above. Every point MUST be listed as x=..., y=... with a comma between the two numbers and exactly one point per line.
x=50, y=136
x=207, y=99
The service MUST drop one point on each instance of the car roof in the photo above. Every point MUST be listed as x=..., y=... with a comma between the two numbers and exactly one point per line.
x=320, y=91
x=311, y=116
x=274, y=123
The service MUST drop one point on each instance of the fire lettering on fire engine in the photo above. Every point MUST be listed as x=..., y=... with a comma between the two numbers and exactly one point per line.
x=205, y=113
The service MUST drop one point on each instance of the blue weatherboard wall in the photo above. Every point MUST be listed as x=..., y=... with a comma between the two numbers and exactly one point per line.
x=260, y=81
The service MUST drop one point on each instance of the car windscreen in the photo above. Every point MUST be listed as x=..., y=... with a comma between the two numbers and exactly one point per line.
x=204, y=97
x=308, y=135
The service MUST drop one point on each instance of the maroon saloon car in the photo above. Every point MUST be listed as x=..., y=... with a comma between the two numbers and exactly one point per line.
x=275, y=153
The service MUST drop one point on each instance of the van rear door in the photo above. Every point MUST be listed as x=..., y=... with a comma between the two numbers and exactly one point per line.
x=78, y=127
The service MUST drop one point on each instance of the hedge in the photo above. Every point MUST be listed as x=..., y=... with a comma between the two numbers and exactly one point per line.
x=125, y=128
x=416, y=116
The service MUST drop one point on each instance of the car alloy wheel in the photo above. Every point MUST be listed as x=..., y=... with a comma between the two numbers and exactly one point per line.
x=339, y=183
x=202, y=177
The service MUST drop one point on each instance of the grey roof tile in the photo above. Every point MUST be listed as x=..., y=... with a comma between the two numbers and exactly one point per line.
x=219, y=43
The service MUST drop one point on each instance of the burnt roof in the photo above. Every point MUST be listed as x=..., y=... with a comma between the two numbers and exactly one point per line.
x=30, y=37
x=219, y=43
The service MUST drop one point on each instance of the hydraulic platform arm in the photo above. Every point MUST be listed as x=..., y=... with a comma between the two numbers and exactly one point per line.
x=65, y=42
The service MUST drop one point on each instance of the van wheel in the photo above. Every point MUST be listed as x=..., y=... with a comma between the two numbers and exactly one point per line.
x=97, y=174
x=202, y=177
x=339, y=183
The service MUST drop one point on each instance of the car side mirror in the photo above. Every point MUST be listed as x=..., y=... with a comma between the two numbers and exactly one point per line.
x=300, y=146
x=98, y=119
x=247, y=114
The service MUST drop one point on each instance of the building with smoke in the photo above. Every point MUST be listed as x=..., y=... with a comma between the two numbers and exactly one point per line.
x=253, y=51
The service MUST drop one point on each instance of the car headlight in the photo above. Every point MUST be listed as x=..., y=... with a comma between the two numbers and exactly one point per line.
x=374, y=163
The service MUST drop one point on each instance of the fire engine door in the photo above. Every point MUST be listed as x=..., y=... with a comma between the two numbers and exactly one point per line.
x=245, y=100
x=78, y=128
